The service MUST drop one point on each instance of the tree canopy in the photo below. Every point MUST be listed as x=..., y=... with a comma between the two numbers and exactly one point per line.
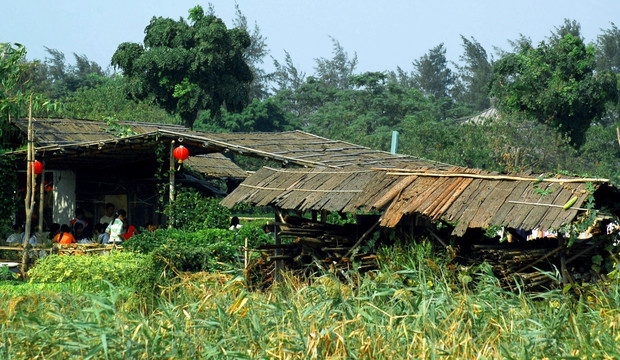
x=556, y=84
x=187, y=67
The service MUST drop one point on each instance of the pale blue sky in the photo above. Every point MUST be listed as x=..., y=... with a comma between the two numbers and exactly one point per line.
x=384, y=34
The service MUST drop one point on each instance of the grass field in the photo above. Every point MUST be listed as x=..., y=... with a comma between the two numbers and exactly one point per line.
x=417, y=306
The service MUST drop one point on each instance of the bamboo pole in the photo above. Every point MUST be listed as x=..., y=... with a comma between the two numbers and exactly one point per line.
x=294, y=189
x=408, y=172
x=30, y=183
x=171, y=180
x=41, y=198
x=541, y=204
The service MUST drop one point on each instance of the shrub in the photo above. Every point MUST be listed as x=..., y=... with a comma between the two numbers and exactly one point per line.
x=192, y=211
x=222, y=239
x=117, y=268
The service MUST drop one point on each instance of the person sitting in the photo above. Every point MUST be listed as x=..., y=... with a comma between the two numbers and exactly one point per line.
x=115, y=229
x=34, y=240
x=79, y=219
x=64, y=236
x=128, y=230
x=54, y=229
x=109, y=214
x=80, y=237
x=101, y=237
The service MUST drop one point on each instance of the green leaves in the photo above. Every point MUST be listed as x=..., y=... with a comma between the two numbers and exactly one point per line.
x=188, y=67
x=555, y=84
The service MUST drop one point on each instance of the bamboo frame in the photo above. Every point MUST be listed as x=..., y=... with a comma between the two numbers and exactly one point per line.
x=293, y=189
x=408, y=172
x=541, y=204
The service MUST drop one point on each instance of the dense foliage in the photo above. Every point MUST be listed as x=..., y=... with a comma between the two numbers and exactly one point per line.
x=116, y=269
x=186, y=67
x=192, y=211
x=417, y=305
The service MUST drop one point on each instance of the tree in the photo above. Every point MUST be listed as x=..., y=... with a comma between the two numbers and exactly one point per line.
x=258, y=116
x=188, y=67
x=570, y=27
x=473, y=76
x=556, y=85
x=608, y=59
x=286, y=76
x=106, y=100
x=432, y=74
x=254, y=56
x=60, y=79
x=608, y=50
x=335, y=72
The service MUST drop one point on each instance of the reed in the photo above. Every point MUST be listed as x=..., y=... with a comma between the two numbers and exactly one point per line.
x=416, y=306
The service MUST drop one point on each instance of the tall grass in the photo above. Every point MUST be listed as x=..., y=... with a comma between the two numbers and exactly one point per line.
x=415, y=306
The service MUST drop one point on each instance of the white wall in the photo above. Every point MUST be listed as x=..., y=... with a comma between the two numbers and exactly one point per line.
x=64, y=196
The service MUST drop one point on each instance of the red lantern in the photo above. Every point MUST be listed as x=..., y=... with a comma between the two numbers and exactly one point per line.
x=180, y=153
x=37, y=167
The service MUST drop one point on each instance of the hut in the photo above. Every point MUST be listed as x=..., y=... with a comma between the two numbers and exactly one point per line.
x=467, y=202
x=91, y=163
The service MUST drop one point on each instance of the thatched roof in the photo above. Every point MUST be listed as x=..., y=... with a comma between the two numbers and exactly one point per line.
x=302, y=189
x=216, y=165
x=68, y=143
x=68, y=139
x=470, y=198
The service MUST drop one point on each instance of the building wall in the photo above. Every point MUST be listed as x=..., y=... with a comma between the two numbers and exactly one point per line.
x=64, y=196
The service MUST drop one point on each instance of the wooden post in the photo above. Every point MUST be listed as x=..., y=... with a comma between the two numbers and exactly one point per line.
x=171, y=178
x=41, y=198
x=245, y=255
x=30, y=183
x=277, y=276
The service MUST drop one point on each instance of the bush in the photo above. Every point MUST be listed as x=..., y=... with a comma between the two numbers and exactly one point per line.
x=117, y=268
x=192, y=211
x=224, y=240
x=171, y=251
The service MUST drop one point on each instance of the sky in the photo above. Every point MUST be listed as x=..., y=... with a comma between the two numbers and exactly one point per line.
x=383, y=34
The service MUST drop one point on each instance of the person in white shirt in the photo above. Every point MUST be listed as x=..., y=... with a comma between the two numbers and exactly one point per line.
x=109, y=214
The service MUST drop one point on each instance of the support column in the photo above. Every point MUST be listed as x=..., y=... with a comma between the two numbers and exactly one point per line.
x=171, y=178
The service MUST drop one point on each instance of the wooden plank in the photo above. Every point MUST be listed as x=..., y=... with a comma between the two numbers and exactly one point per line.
x=449, y=195
x=520, y=212
x=464, y=221
x=567, y=216
x=393, y=191
x=551, y=215
x=433, y=197
x=461, y=203
x=463, y=184
x=538, y=212
x=352, y=181
x=491, y=204
x=414, y=194
x=505, y=211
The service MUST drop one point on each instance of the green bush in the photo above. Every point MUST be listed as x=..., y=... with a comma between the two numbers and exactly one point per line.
x=117, y=268
x=172, y=251
x=192, y=211
x=223, y=239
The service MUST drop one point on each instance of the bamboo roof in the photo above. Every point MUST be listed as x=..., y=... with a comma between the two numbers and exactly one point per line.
x=69, y=143
x=468, y=197
x=70, y=138
x=302, y=189
x=216, y=165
